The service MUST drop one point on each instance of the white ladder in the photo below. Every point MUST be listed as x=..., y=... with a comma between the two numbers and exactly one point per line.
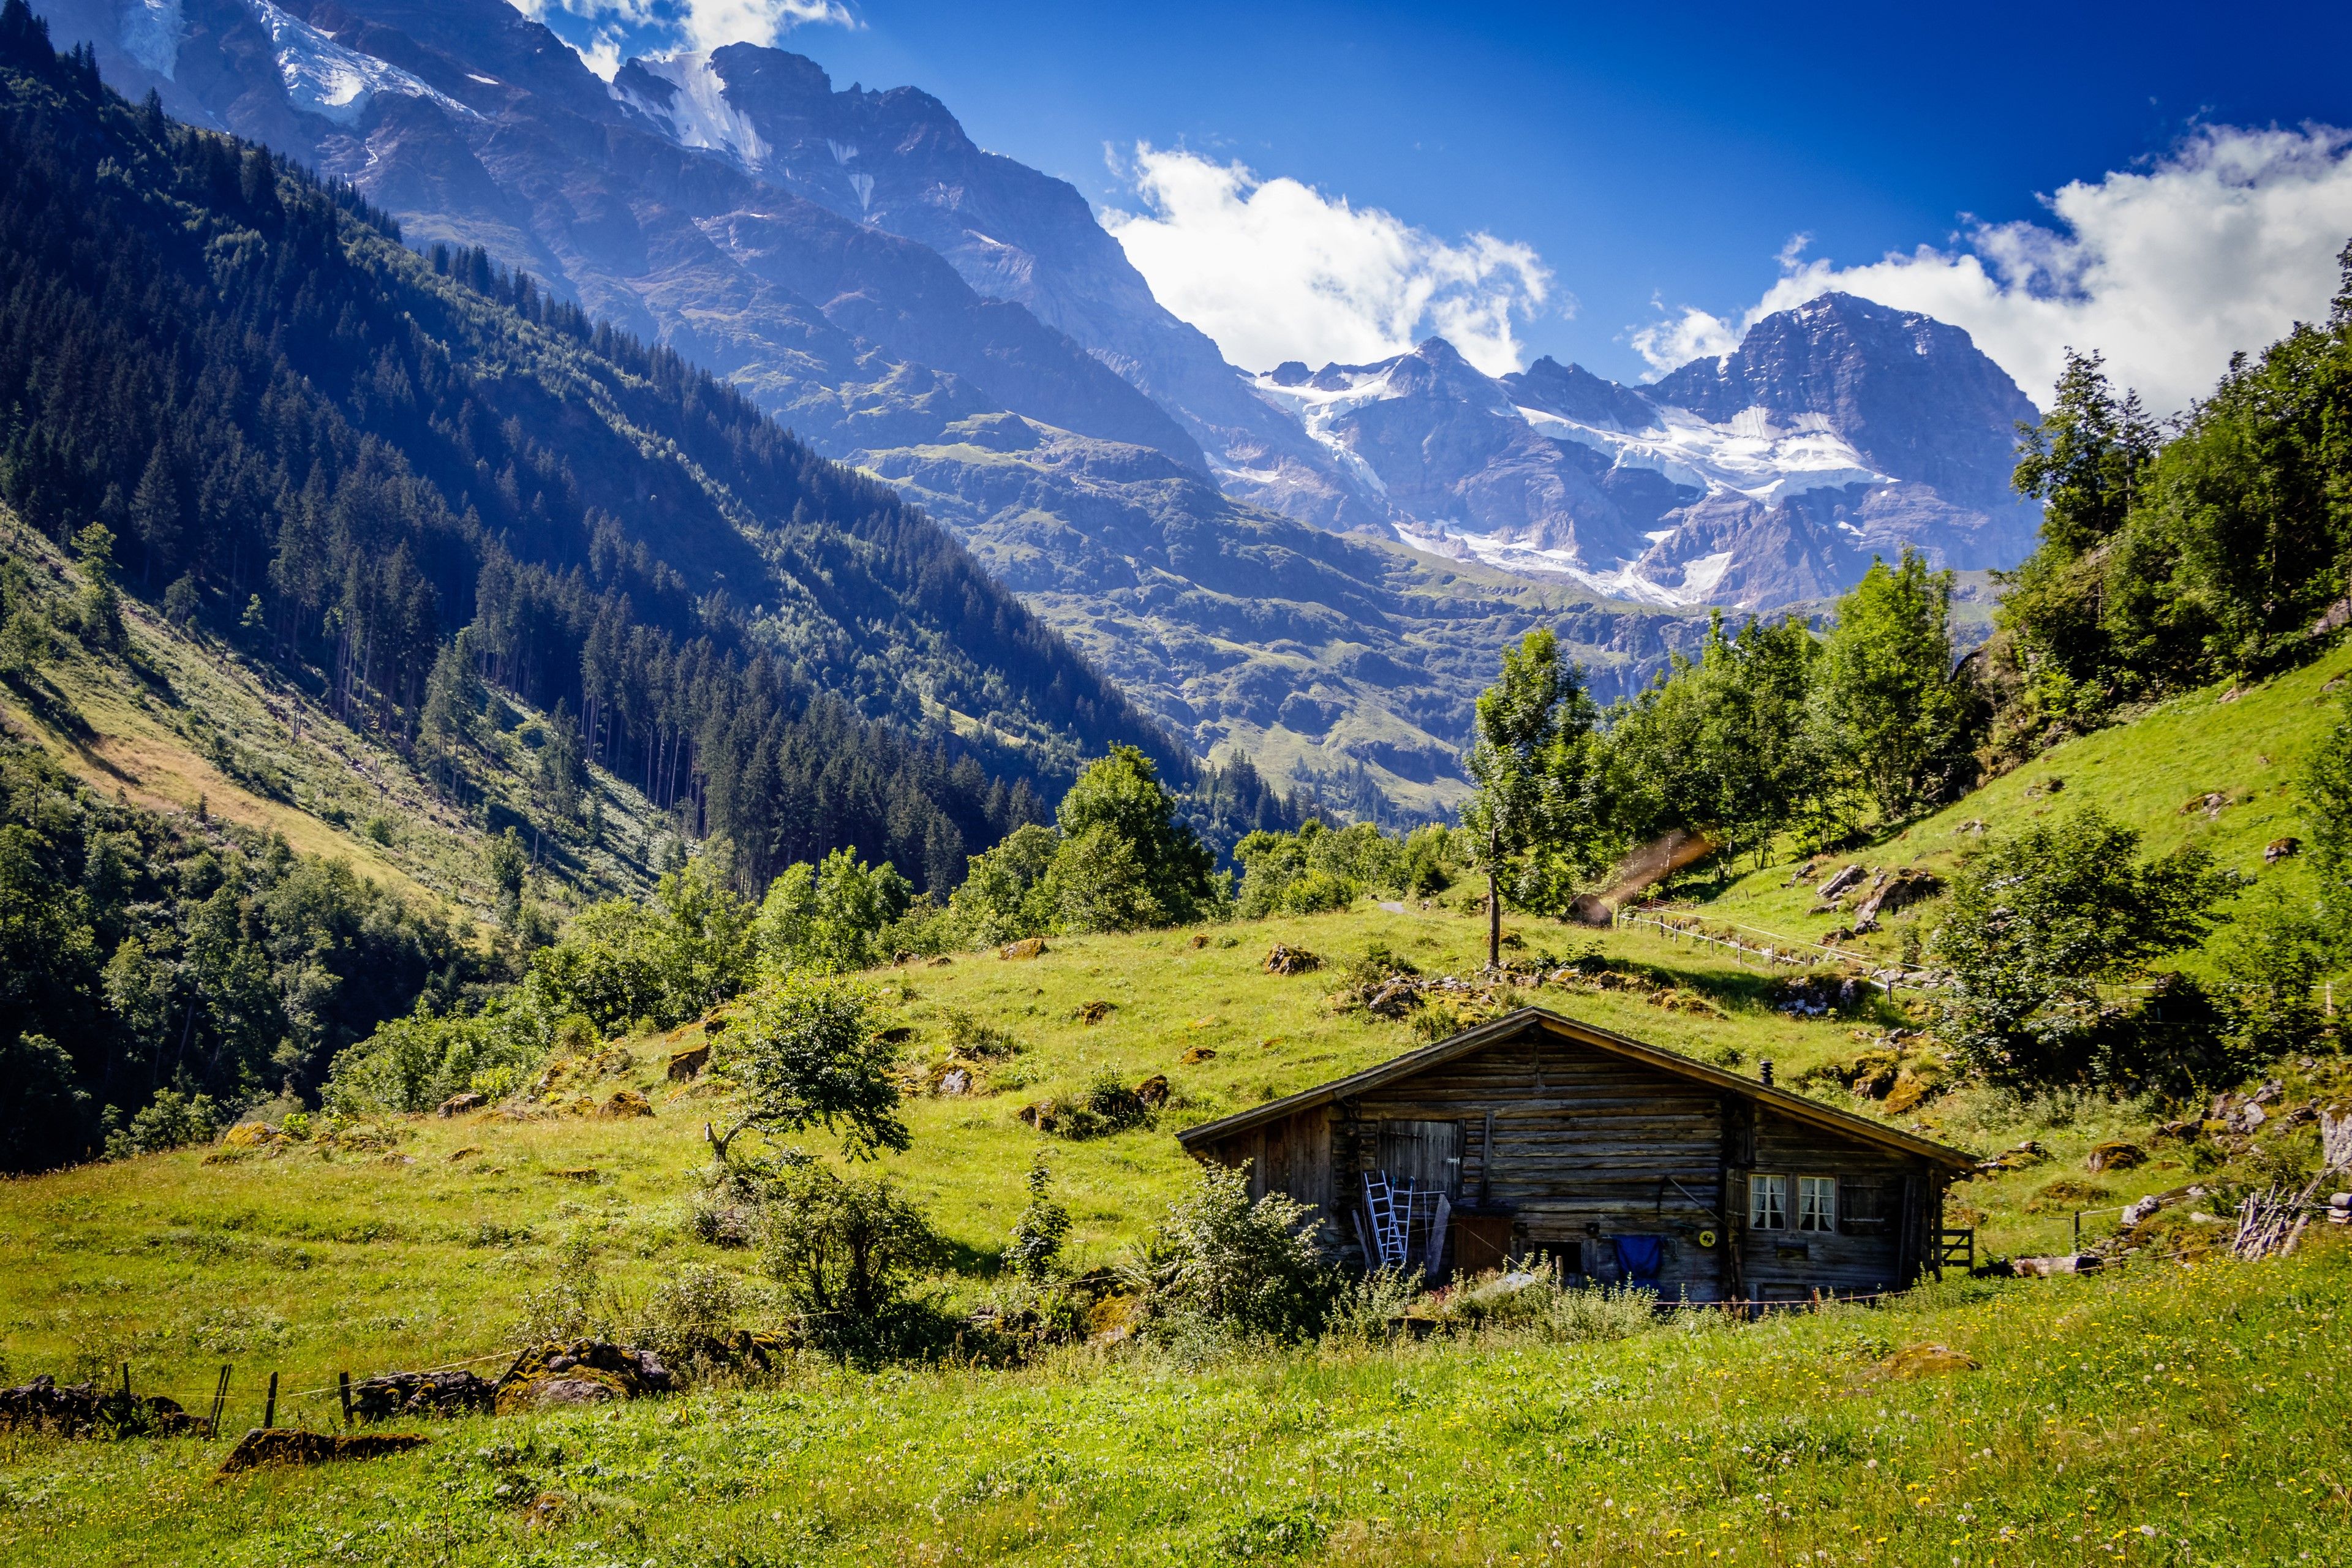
x=1388, y=1218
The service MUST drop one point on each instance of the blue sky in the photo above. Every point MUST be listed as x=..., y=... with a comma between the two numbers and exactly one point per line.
x=1644, y=164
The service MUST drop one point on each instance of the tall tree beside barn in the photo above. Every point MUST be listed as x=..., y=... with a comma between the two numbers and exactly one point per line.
x=1533, y=821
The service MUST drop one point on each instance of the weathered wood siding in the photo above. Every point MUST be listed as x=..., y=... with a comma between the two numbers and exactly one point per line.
x=1588, y=1146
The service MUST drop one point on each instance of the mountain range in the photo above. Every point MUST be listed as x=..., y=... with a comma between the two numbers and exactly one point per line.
x=1315, y=567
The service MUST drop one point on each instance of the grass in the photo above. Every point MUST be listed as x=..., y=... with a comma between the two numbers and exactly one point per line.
x=2158, y=1416
x=2177, y=1410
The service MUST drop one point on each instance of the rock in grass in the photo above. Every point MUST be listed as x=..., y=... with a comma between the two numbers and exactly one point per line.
x=2114, y=1155
x=1927, y=1361
x=1027, y=947
x=686, y=1065
x=580, y=1371
x=289, y=1446
x=624, y=1104
x=1283, y=959
x=459, y=1104
x=396, y=1394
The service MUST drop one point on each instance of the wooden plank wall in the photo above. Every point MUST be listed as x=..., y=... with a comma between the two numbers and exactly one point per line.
x=1587, y=1146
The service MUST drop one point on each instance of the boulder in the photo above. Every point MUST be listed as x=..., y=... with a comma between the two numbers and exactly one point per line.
x=685, y=1065
x=1095, y=1012
x=1153, y=1091
x=956, y=1081
x=1027, y=947
x=459, y=1104
x=1905, y=888
x=1200, y=940
x=1927, y=1361
x=412, y=1394
x=1842, y=881
x=79, y=1409
x=1198, y=1055
x=2279, y=849
x=573, y=1371
x=1043, y=1115
x=1283, y=960
x=2114, y=1155
x=261, y=1134
x=625, y=1104
x=2246, y=1118
x=291, y=1446
x=1586, y=909
x=1912, y=1088
x=2048, y=1268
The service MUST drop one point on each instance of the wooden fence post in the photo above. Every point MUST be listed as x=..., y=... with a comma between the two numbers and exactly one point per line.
x=220, y=1398
x=343, y=1386
x=269, y=1410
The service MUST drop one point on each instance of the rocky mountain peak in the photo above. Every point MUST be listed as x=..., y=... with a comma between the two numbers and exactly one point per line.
x=1914, y=395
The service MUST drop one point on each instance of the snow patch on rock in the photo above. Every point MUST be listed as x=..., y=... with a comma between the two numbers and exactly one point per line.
x=151, y=30
x=327, y=79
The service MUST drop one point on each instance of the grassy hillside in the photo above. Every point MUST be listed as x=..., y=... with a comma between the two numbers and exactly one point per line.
x=2216, y=767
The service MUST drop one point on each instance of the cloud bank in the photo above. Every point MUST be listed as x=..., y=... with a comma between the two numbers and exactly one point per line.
x=2222, y=245
x=1273, y=269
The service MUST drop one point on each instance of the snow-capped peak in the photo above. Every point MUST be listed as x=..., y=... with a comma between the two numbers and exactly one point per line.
x=325, y=78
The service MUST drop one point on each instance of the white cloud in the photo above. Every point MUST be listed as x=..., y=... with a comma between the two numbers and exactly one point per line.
x=2223, y=244
x=701, y=25
x=707, y=24
x=1273, y=269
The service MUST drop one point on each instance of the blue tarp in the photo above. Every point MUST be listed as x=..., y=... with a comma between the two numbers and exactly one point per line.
x=1638, y=1257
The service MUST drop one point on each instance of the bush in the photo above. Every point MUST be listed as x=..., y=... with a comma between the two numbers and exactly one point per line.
x=412, y=1064
x=696, y=1303
x=2039, y=922
x=1036, y=1244
x=572, y=1305
x=170, y=1120
x=845, y=1252
x=1366, y=1308
x=1232, y=1268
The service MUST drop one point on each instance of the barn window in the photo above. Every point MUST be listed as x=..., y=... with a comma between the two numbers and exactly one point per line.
x=1426, y=1154
x=1817, y=1203
x=1768, y=1203
x=1864, y=1207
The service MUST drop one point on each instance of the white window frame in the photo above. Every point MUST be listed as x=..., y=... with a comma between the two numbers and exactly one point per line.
x=1817, y=1204
x=1768, y=1203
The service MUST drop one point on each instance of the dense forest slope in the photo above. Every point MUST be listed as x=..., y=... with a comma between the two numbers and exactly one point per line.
x=242, y=377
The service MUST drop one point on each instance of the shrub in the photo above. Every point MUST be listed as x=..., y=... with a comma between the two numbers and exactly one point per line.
x=574, y=1303
x=1366, y=1308
x=412, y=1064
x=1036, y=1245
x=696, y=1303
x=1232, y=1268
x=2039, y=922
x=170, y=1120
x=846, y=1251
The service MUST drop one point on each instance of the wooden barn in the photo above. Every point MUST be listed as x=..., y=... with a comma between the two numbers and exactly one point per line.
x=1622, y=1162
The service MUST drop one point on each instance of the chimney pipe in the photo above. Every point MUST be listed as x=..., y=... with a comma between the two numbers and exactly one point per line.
x=1764, y=1071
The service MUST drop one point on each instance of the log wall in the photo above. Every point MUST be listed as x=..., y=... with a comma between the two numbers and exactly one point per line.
x=1587, y=1146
